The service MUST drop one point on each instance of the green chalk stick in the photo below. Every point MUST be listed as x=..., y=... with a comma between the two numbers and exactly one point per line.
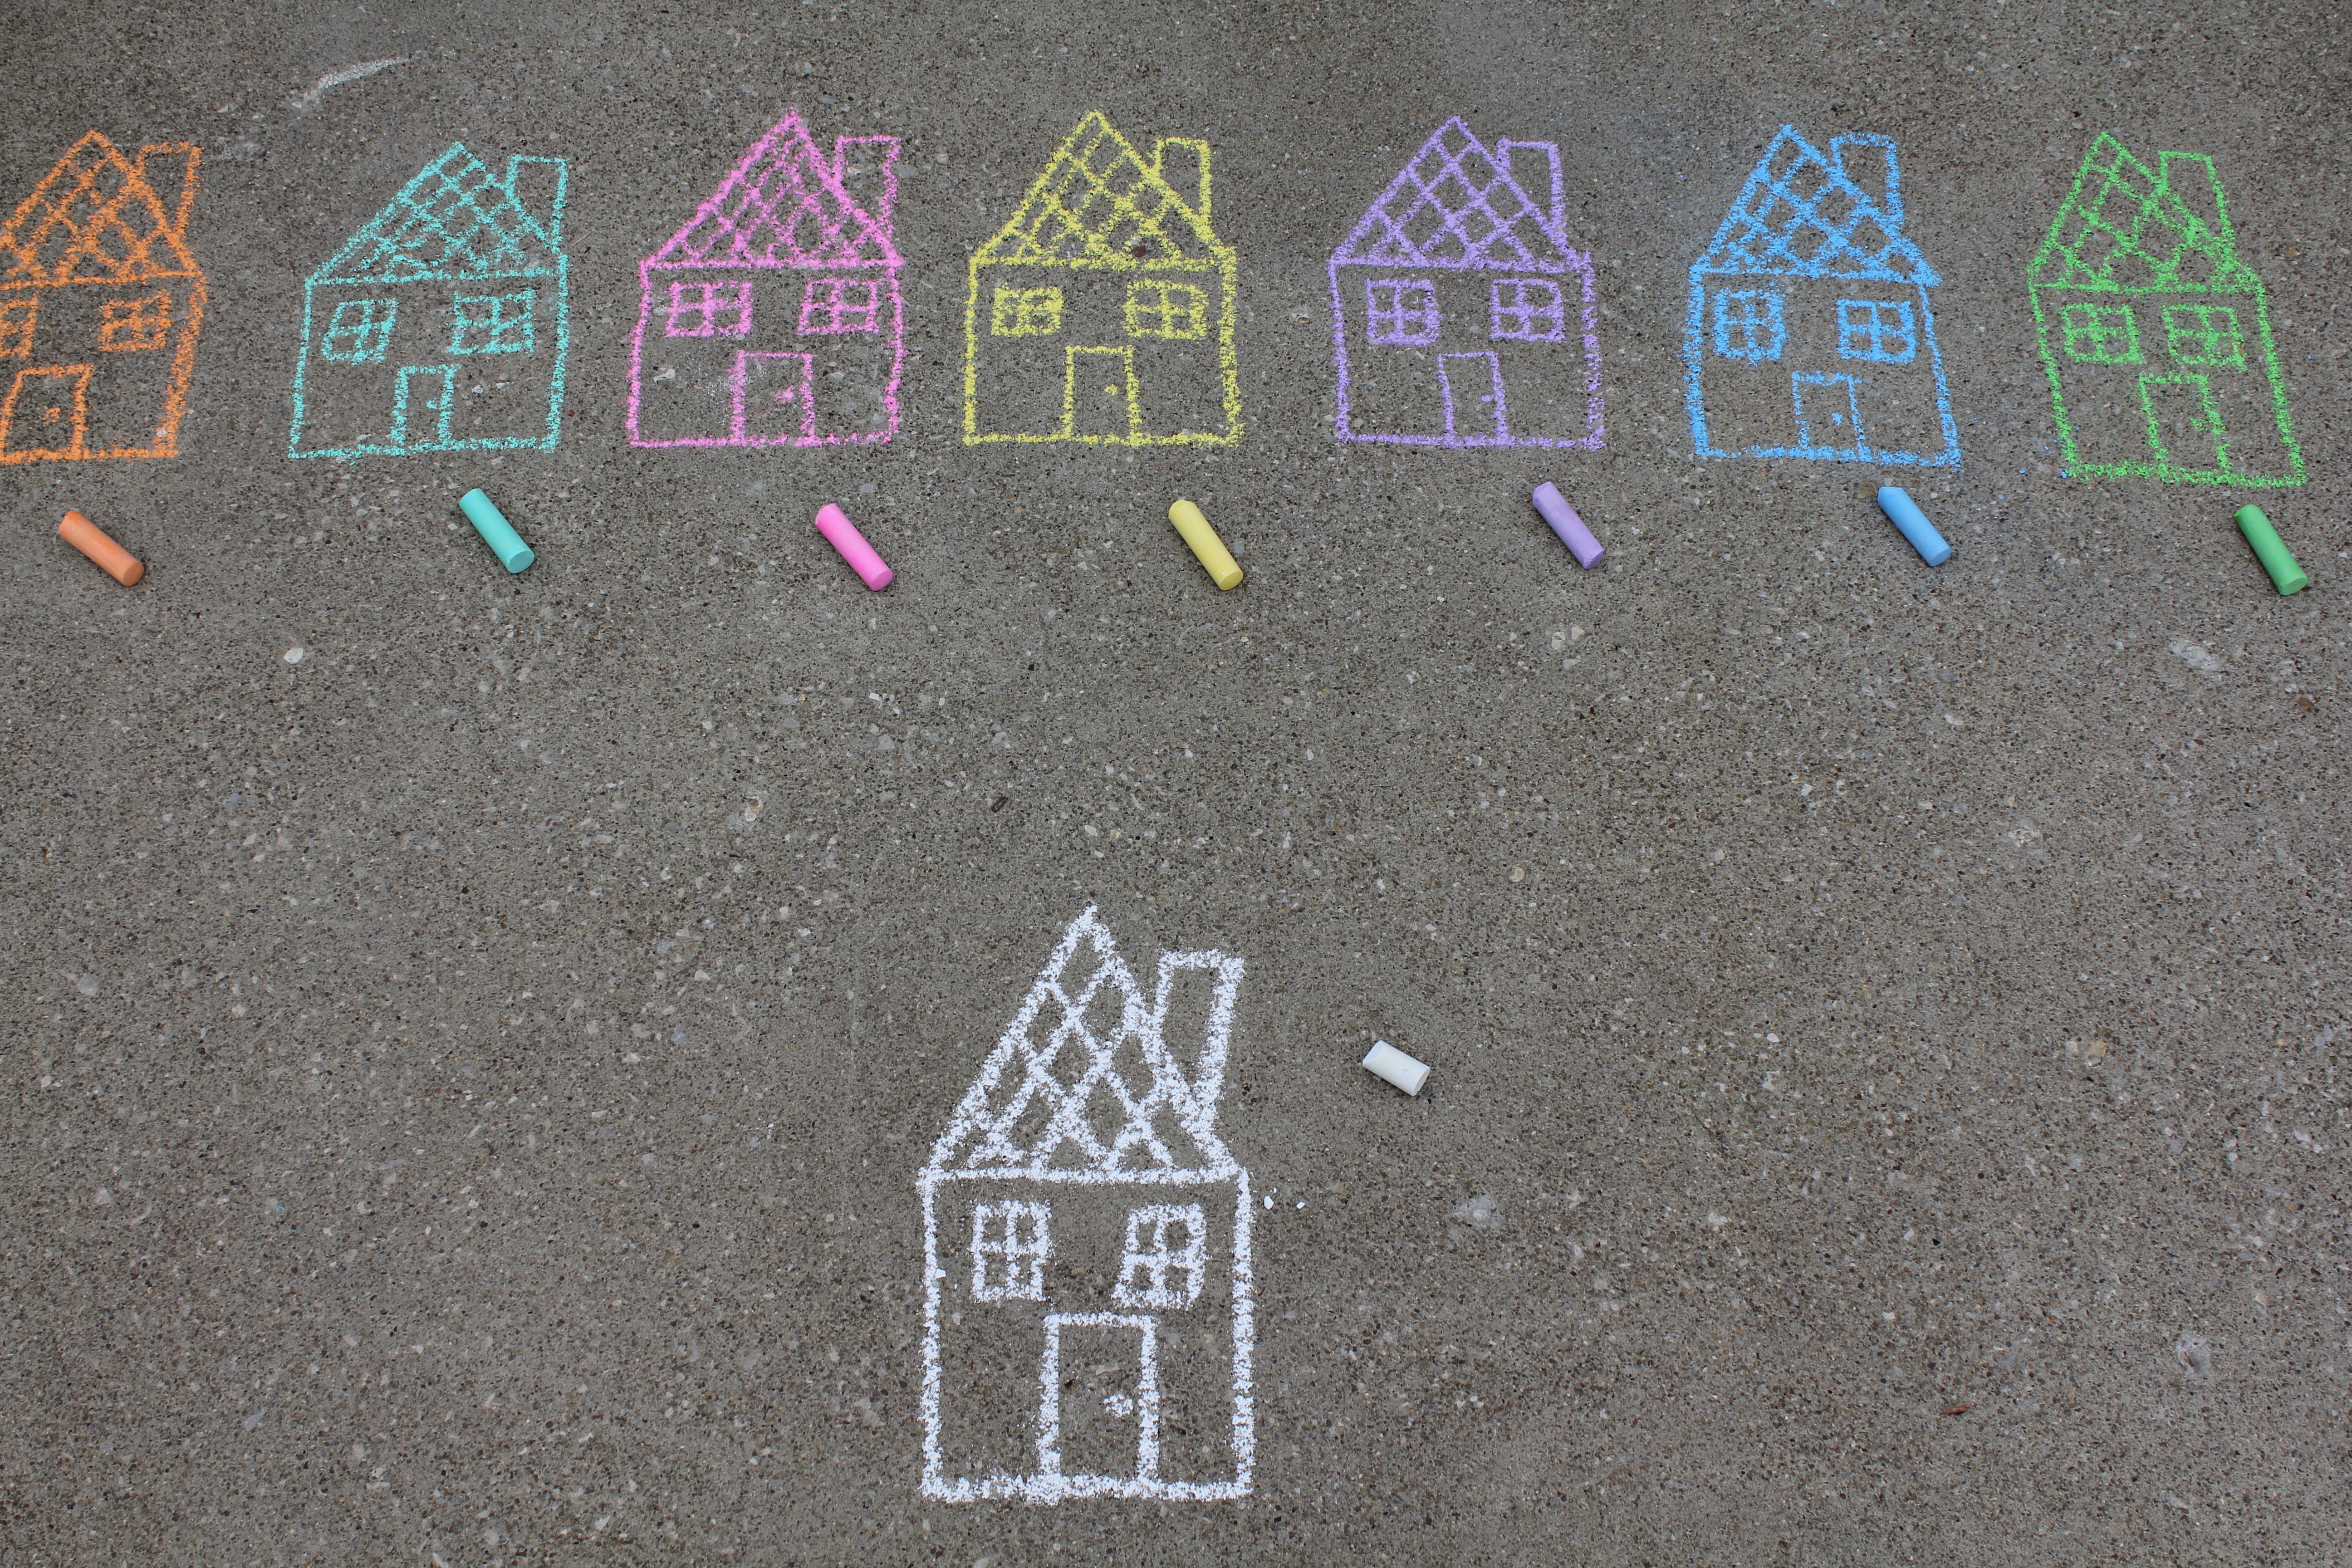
x=2276, y=558
x=497, y=532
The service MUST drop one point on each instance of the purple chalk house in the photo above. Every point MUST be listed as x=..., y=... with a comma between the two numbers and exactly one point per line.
x=1461, y=314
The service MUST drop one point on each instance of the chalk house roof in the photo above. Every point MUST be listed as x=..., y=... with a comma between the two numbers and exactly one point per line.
x=96, y=216
x=1807, y=214
x=1456, y=204
x=2127, y=228
x=455, y=221
x=1100, y=203
x=788, y=204
x=1082, y=1085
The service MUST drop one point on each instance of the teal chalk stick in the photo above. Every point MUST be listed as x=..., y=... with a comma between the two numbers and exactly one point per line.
x=2287, y=573
x=1905, y=514
x=496, y=530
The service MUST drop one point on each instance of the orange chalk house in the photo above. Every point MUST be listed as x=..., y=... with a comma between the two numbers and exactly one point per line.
x=100, y=306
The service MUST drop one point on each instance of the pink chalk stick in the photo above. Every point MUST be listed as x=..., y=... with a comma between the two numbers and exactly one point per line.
x=1568, y=525
x=834, y=524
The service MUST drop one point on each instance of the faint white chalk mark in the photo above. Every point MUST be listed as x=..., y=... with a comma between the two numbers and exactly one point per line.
x=304, y=102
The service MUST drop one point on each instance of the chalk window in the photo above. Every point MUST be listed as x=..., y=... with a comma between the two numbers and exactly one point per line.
x=494, y=324
x=2101, y=335
x=17, y=325
x=126, y=326
x=1400, y=310
x=1167, y=1256
x=841, y=305
x=1882, y=332
x=1026, y=313
x=1748, y=325
x=708, y=311
x=360, y=331
x=2204, y=335
x=1009, y=1248
x=1529, y=310
x=1157, y=309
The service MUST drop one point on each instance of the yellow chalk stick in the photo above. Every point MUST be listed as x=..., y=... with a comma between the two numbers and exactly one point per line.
x=1211, y=551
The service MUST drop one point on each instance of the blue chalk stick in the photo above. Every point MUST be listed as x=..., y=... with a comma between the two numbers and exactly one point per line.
x=496, y=530
x=1905, y=514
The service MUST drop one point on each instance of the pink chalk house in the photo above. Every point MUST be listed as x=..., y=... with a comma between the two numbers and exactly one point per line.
x=773, y=318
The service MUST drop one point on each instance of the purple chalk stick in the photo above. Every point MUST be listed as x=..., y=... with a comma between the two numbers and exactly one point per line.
x=1568, y=525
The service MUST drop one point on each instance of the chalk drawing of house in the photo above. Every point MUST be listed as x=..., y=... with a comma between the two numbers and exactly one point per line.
x=1103, y=310
x=1809, y=333
x=442, y=326
x=100, y=306
x=1084, y=1225
x=773, y=319
x=2156, y=333
x=1459, y=305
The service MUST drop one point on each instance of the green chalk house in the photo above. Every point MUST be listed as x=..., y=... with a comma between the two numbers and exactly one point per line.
x=2154, y=331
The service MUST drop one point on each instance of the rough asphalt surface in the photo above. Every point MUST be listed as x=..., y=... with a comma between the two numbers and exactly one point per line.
x=465, y=1088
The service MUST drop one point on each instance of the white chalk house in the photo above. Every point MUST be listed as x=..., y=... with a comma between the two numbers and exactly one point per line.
x=1086, y=1246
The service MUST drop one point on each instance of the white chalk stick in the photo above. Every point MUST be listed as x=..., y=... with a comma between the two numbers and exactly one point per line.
x=1386, y=1061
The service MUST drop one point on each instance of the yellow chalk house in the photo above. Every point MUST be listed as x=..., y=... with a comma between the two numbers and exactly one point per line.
x=1103, y=310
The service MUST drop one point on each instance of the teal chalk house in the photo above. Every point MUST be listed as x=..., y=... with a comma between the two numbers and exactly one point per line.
x=2155, y=330
x=441, y=325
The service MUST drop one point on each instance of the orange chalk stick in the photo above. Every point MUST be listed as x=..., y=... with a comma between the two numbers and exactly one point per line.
x=90, y=539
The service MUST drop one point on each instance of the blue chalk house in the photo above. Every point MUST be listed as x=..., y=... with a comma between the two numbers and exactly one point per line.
x=1809, y=333
x=441, y=325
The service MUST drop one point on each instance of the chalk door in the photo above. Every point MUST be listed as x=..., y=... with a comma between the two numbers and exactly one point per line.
x=1099, y=1423
x=1829, y=417
x=47, y=413
x=2184, y=423
x=424, y=400
x=775, y=399
x=1473, y=388
x=1102, y=401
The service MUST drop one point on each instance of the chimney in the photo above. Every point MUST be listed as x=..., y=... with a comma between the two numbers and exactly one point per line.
x=537, y=186
x=1869, y=162
x=1534, y=167
x=867, y=168
x=2191, y=179
x=1185, y=166
x=169, y=168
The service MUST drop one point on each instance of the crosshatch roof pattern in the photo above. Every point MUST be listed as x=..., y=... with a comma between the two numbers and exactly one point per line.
x=783, y=205
x=1096, y=203
x=93, y=218
x=454, y=220
x=1456, y=204
x=1084, y=1055
x=2124, y=227
x=1801, y=215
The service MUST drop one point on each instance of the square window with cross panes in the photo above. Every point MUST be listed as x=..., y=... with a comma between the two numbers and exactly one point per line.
x=841, y=305
x=127, y=326
x=708, y=311
x=2205, y=336
x=1167, y=1256
x=1400, y=310
x=494, y=324
x=2099, y=334
x=1010, y=1244
x=1527, y=310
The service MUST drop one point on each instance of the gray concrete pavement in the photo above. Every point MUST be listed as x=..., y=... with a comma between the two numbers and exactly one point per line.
x=468, y=1085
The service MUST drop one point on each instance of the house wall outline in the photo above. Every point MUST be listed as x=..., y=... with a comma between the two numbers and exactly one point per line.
x=1808, y=227
x=502, y=244
x=98, y=222
x=1510, y=230
x=2181, y=245
x=857, y=243
x=1149, y=229
x=1166, y=1147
